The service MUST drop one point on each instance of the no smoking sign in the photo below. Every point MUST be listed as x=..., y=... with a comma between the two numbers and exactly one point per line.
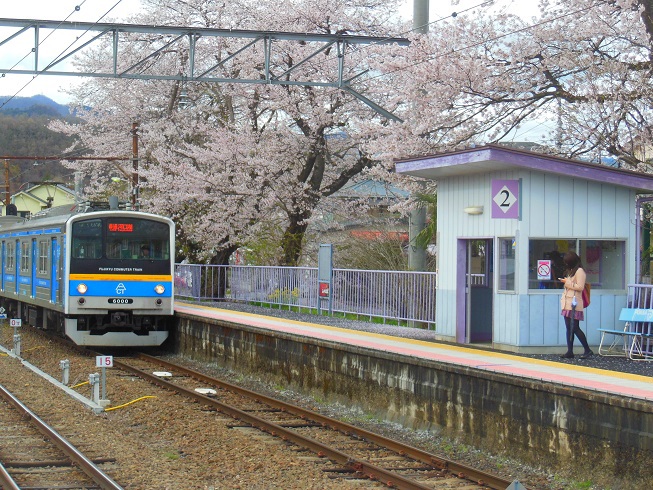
x=543, y=270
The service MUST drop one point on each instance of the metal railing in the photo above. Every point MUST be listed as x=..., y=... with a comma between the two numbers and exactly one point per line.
x=640, y=297
x=398, y=296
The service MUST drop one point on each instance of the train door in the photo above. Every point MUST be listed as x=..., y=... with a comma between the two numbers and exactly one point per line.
x=17, y=260
x=475, y=291
x=54, y=270
x=35, y=263
x=4, y=266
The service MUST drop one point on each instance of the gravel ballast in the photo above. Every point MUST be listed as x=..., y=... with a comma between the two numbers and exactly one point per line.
x=167, y=443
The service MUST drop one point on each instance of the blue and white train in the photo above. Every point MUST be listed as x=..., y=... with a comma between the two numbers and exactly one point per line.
x=102, y=278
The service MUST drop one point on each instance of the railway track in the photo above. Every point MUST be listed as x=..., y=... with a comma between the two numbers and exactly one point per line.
x=34, y=455
x=353, y=452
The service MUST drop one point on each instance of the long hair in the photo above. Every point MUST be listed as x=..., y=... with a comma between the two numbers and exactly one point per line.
x=573, y=263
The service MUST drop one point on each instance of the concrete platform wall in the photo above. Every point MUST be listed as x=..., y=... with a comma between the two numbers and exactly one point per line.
x=549, y=426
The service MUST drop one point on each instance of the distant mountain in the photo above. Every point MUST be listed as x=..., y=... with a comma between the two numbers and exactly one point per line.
x=37, y=105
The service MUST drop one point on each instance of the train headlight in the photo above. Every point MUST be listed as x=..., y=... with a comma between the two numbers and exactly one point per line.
x=82, y=288
x=159, y=289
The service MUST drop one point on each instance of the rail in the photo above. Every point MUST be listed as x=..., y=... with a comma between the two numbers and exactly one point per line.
x=78, y=458
x=403, y=297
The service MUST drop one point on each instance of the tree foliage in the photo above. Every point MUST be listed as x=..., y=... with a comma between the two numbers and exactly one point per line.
x=232, y=155
x=29, y=136
x=583, y=65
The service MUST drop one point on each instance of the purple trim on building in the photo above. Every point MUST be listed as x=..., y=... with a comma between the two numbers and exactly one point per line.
x=492, y=158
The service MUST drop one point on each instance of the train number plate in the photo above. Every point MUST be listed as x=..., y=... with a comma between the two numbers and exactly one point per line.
x=121, y=301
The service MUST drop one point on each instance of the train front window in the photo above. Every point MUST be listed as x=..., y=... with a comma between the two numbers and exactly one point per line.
x=137, y=239
x=87, y=239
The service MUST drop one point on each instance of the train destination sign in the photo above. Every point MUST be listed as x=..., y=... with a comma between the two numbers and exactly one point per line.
x=121, y=227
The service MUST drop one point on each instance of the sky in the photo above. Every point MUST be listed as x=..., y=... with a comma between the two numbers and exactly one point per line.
x=116, y=10
x=57, y=10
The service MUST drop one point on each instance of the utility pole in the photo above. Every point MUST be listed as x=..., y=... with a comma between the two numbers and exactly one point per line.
x=7, y=197
x=417, y=219
x=135, y=202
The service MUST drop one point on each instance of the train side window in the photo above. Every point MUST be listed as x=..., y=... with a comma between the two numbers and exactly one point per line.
x=24, y=256
x=11, y=255
x=44, y=254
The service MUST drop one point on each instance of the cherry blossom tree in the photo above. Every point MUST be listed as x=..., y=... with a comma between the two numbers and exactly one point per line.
x=582, y=65
x=225, y=157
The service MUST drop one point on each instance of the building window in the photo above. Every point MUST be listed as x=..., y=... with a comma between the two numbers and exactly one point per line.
x=604, y=262
x=506, y=264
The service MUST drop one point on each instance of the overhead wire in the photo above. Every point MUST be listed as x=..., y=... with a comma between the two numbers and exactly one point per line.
x=484, y=42
x=79, y=151
x=480, y=43
x=501, y=36
x=428, y=59
x=58, y=57
x=76, y=9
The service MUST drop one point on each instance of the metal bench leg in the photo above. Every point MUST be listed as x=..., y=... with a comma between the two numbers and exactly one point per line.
x=618, y=346
x=635, y=352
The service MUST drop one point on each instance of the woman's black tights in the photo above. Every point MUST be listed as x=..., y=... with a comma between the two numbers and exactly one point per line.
x=573, y=328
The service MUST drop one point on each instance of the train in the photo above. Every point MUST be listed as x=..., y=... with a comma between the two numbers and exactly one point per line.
x=101, y=276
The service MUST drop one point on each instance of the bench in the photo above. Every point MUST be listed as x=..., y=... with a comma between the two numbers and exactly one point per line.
x=635, y=340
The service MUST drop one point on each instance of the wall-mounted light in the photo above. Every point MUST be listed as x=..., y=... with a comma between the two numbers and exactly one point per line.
x=474, y=210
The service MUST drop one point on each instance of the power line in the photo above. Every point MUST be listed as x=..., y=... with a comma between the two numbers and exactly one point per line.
x=76, y=9
x=496, y=38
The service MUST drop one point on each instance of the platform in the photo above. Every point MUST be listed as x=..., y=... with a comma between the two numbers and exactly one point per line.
x=599, y=380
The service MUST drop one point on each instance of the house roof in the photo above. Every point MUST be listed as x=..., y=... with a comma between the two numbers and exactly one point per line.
x=369, y=188
x=492, y=158
x=56, y=187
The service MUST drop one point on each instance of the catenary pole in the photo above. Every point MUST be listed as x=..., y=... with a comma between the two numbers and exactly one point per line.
x=417, y=219
x=135, y=165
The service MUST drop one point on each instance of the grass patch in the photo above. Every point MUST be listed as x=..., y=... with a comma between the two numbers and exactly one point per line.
x=172, y=455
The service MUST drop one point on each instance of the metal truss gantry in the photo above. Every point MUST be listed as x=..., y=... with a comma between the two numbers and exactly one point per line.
x=201, y=65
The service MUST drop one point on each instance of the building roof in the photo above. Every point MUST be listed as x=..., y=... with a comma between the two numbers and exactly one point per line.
x=52, y=189
x=369, y=188
x=492, y=158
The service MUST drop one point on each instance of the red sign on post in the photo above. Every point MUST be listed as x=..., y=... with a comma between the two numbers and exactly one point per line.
x=324, y=290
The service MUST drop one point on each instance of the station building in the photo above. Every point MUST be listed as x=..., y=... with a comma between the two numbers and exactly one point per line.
x=505, y=219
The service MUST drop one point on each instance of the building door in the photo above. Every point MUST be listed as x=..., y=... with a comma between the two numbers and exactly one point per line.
x=475, y=293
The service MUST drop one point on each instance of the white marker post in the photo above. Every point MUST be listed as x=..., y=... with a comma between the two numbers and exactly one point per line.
x=16, y=323
x=104, y=362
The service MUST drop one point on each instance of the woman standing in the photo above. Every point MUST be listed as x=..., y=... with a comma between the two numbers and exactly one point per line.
x=572, y=304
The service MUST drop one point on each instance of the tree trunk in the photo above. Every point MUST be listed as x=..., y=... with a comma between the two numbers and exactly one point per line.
x=292, y=240
x=218, y=282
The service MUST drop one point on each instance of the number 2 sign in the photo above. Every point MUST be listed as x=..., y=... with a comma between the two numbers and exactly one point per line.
x=505, y=199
